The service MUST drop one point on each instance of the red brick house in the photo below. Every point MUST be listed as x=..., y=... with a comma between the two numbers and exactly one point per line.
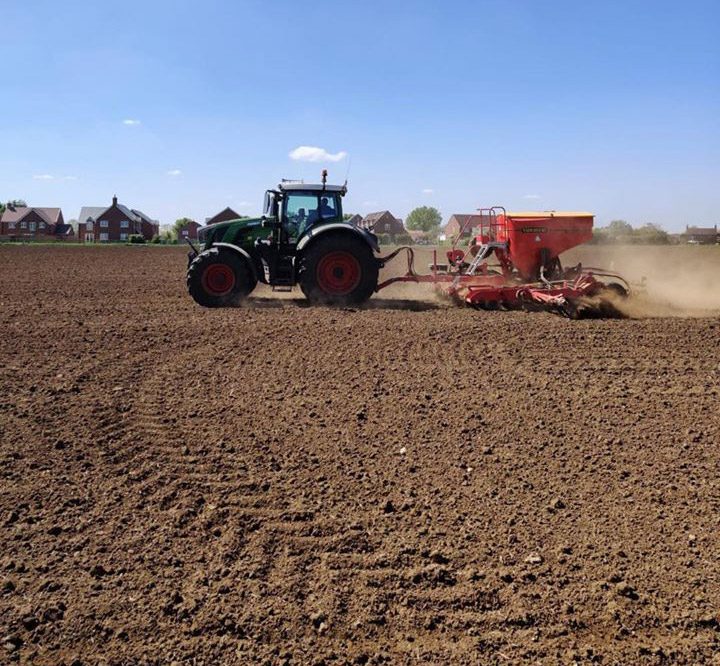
x=383, y=222
x=189, y=231
x=98, y=224
x=32, y=222
x=223, y=216
x=702, y=235
x=458, y=221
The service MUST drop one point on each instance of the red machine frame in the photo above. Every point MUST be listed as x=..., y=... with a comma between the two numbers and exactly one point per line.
x=528, y=274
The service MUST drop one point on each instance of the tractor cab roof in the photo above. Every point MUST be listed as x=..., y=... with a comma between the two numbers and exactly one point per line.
x=311, y=187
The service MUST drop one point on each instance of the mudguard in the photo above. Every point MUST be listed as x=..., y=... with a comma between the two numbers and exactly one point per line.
x=368, y=237
x=239, y=250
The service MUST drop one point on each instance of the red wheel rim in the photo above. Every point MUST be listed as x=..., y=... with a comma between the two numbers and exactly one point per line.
x=338, y=273
x=218, y=279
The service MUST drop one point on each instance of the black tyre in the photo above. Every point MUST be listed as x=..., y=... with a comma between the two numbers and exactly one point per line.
x=338, y=270
x=219, y=277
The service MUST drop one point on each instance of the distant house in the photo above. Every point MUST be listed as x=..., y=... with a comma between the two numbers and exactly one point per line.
x=701, y=235
x=34, y=222
x=100, y=224
x=189, y=231
x=224, y=215
x=356, y=220
x=460, y=221
x=383, y=222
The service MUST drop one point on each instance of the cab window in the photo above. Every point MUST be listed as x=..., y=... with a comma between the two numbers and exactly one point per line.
x=300, y=211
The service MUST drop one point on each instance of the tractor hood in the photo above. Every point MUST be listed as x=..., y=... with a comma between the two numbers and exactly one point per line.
x=217, y=232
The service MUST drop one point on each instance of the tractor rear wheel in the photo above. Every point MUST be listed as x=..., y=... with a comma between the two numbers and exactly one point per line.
x=338, y=270
x=219, y=277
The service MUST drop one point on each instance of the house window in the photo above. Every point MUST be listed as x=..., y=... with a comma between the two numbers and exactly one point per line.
x=124, y=224
x=23, y=225
x=32, y=226
x=11, y=225
x=123, y=236
x=89, y=225
x=185, y=233
x=42, y=226
x=89, y=238
x=103, y=236
x=103, y=223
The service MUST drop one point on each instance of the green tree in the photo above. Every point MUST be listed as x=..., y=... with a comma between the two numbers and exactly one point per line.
x=651, y=234
x=619, y=229
x=424, y=218
x=179, y=224
x=13, y=203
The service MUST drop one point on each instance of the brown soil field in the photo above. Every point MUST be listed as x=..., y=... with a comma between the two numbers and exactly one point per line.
x=402, y=483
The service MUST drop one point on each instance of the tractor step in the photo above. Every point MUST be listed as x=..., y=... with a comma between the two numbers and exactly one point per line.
x=282, y=287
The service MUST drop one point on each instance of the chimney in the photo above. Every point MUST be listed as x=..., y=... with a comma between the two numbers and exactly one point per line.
x=115, y=200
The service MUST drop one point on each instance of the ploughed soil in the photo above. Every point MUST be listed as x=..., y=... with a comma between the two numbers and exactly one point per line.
x=402, y=483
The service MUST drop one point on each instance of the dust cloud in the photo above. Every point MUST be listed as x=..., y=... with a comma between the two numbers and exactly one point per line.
x=666, y=281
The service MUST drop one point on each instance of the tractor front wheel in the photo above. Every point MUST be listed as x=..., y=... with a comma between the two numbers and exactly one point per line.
x=338, y=270
x=219, y=277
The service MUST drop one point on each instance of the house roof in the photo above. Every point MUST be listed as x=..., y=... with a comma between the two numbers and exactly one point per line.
x=702, y=231
x=227, y=208
x=127, y=212
x=144, y=217
x=462, y=219
x=374, y=217
x=95, y=212
x=50, y=215
x=90, y=211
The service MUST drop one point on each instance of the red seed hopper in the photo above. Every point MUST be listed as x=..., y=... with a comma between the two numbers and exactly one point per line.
x=508, y=260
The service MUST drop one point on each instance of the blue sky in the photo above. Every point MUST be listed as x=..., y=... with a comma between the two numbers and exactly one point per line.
x=612, y=106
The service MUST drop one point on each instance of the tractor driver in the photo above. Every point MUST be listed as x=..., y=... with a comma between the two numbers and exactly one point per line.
x=297, y=223
x=325, y=209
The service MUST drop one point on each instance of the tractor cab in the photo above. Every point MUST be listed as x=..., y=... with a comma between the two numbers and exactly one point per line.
x=290, y=212
x=298, y=207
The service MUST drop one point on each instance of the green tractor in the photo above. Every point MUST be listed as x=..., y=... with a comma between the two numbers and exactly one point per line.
x=301, y=238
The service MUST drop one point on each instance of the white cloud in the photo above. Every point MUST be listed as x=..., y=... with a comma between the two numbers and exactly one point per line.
x=532, y=196
x=315, y=154
x=131, y=122
x=428, y=190
x=49, y=176
x=174, y=172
